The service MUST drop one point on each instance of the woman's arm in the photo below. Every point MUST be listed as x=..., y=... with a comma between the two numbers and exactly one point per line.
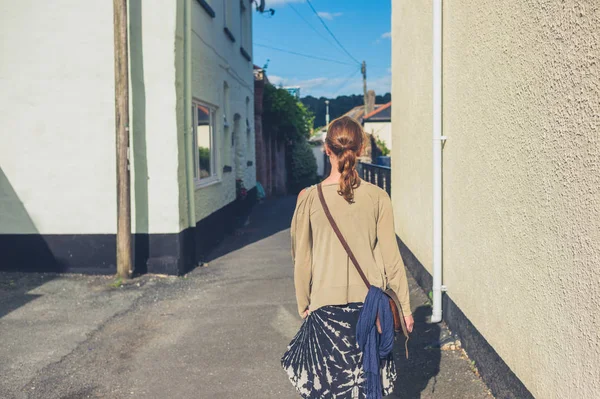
x=394, y=266
x=302, y=253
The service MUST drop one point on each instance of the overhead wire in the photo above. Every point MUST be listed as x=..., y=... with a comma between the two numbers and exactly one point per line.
x=302, y=54
x=340, y=87
x=312, y=27
x=330, y=32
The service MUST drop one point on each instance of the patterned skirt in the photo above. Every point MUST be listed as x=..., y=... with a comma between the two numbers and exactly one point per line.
x=323, y=361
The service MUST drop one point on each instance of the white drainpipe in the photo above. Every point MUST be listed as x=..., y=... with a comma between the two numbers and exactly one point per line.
x=438, y=141
x=188, y=113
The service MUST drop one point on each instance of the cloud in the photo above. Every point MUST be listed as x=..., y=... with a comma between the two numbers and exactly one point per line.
x=276, y=80
x=329, y=15
x=387, y=35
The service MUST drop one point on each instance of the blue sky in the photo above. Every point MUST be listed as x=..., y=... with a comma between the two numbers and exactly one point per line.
x=362, y=27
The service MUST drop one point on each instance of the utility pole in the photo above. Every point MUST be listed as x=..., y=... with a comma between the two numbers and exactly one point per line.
x=122, y=132
x=363, y=69
x=326, y=114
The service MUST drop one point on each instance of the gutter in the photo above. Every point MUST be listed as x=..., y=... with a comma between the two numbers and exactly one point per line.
x=438, y=142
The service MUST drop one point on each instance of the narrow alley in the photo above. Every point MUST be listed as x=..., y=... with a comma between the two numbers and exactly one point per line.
x=218, y=332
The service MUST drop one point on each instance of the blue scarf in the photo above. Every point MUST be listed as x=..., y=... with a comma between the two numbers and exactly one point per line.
x=373, y=345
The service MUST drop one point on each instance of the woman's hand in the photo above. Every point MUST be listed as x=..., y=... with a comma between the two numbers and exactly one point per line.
x=305, y=314
x=410, y=322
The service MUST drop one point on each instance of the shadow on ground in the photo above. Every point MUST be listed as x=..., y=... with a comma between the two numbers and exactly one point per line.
x=15, y=287
x=423, y=364
x=268, y=218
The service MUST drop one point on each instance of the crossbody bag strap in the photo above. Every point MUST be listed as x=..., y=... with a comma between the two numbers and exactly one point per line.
x=339, y=235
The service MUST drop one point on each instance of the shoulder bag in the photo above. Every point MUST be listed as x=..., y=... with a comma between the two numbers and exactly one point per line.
x=399, y=323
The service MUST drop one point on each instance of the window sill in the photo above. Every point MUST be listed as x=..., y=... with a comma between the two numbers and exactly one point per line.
x=245, y=54
x=206, y=182
x=207, y=8
x=229, y=34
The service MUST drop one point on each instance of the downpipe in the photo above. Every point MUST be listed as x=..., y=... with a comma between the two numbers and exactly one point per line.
x=438, y=142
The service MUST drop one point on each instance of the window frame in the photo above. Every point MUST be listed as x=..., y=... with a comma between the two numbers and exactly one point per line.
x=214, y=177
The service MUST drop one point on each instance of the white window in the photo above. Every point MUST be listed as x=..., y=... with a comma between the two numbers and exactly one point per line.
x=245, y=31
x=205, y=143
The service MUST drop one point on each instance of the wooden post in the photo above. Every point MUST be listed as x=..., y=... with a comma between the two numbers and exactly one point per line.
x=122, y=131
x=363, y=70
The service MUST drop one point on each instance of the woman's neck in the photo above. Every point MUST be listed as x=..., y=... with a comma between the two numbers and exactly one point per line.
x=334, y=175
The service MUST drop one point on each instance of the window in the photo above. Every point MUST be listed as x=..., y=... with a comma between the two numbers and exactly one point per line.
x=245, y=32
x=205, y=143
x=228, y=13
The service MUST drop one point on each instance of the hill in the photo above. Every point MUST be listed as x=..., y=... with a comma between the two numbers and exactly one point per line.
x=337, y=106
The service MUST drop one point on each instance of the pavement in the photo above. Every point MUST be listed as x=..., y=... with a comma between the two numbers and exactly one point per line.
x=218, y=332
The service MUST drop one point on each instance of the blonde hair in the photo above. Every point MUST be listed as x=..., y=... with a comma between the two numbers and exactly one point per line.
x=345, y=139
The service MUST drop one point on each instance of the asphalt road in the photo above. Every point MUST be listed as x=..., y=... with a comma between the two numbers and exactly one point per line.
x=218, y=332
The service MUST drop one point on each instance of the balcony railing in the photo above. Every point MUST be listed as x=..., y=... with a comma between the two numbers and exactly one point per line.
x=376, y=174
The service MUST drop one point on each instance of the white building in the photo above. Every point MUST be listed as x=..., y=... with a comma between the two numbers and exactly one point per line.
x=379, y=124
x=192, y=133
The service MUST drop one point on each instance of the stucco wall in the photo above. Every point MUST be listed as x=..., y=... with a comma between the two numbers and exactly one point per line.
x=216, y=61
x=381, y=130
x=521, y=177
x=411, y=125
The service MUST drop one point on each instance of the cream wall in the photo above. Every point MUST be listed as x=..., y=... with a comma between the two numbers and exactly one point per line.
x=381, y=130
x=217, y=61
x=521, y=177
x=412, y=125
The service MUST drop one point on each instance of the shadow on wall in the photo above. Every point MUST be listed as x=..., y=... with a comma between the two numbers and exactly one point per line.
x=424, y=359
x=20, y=252
x=22, y=248
x=141, y=239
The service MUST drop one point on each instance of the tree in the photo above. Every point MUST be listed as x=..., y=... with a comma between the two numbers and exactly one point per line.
x=337, y=106
x=288, y=120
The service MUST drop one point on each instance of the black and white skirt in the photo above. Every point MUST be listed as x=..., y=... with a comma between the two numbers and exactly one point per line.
x=324, y=360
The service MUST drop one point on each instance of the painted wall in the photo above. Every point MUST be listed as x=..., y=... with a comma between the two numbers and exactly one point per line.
x=521, y=176
x=155, y=116
x=381, y=130
x=57, y=126
x=217, y=63
x=57, y=113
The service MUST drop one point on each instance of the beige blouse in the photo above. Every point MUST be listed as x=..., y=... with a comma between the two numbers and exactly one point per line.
x=323, y=272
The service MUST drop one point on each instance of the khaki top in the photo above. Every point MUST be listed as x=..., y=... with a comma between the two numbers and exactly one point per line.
x=323, y=272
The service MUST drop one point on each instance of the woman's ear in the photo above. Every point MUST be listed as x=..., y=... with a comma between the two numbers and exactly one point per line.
x=327, y=151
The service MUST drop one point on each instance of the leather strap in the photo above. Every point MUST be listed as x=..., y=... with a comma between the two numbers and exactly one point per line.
x=339, y=235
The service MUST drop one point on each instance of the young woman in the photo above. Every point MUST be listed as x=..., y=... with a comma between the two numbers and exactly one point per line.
x=324, y=360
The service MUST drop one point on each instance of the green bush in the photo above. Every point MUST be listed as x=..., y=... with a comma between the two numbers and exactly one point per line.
x=382, y=147
x=303, y=167
x=204, y=158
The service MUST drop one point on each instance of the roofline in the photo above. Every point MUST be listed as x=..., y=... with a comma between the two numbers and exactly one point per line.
x=375, y=112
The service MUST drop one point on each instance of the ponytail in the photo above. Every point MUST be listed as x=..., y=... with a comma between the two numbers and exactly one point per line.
x=349, y=179
x=345, y=140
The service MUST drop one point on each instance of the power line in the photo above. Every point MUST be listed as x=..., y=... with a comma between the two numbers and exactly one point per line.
x=344, y=82
x=330, y=32
x=312, y=27
x=314, y=57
